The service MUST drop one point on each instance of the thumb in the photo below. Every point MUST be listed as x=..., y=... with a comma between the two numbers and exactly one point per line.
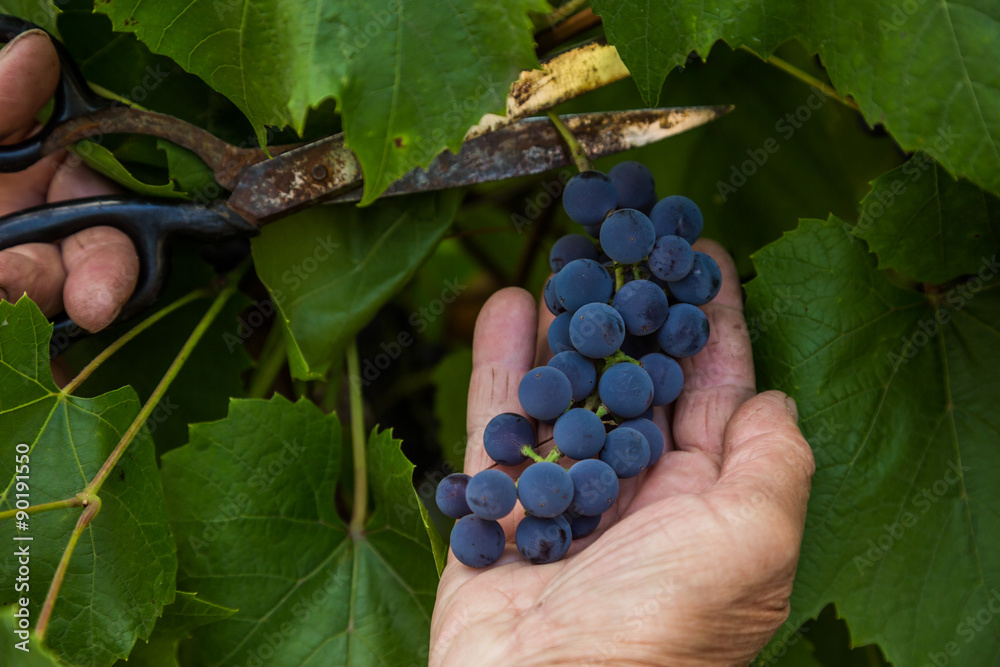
x=767, y=468
x=29, y=72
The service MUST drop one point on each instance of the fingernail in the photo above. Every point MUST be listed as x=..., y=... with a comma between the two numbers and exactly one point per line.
x=9, y=46
x=792, y=408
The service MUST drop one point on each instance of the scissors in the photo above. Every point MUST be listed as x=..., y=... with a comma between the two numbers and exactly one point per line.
x=266, y=185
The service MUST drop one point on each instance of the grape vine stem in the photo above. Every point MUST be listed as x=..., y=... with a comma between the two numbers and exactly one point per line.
x=75, y=501
x=89, y=496
x=575, y=149
x=360, y=508
x=806, y=78
x=130, y=334
x=269, y=364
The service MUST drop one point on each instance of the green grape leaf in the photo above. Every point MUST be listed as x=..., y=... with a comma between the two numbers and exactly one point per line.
x=124, y=67
x=179, y=620
x=103, y=161
x=918, y=68
x=42, y=13
x=187, y=169
x=409, y=78
x=253, y=503
x=330, y=268
x=451, y=397
x=923, y=223
x=897, y=394
x=123, y=570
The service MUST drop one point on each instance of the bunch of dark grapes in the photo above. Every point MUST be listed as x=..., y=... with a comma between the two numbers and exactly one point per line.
x=626, y=309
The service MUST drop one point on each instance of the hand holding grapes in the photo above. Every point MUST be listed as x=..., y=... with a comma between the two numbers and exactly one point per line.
x=694, y=562
x=92, y=273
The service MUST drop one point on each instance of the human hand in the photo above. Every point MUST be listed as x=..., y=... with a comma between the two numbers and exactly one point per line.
x=89, y=274
x=694, y=563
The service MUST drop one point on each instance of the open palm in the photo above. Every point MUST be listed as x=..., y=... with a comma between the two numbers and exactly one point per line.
x=692, y=565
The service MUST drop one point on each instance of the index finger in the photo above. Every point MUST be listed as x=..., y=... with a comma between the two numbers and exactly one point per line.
x=503, y=350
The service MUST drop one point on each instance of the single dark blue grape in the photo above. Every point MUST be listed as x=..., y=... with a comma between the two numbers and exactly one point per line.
x=568, y=248
x=583, y=281
x=626, y=390
x=639, y=346
x=545, y=393
x=677, y=215
x=580, y=372
x=589, y=196
x=652, y=433
x=667, y=377
x=582, y=525
x=558, y=334
x=627, y=236
x=700, y=285
x=541, y=540
x=671, y=258
x=596, y=330
x=579, y=434
x=626, y=451
x=545, y=489
x=550, y=298
x=595, y=487
x=642, y=305
x=477, y=542
x=491, y=494
x=450, y=495
x=635, y=184
x=504, y=437
x=685, y=333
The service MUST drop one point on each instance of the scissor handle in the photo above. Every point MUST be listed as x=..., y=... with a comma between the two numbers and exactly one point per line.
x=73, y=99
x=149, y=223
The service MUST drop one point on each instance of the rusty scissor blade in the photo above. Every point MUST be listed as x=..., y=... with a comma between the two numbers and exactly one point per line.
x=327, y=171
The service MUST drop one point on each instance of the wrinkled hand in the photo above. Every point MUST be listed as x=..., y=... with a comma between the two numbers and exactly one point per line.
x=694, y=563
x=92, y=273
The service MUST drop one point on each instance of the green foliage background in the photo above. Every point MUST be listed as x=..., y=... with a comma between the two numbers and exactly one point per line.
x=862, y=213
